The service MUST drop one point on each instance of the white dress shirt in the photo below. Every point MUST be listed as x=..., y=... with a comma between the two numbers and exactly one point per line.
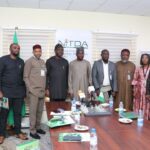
x=106, y=80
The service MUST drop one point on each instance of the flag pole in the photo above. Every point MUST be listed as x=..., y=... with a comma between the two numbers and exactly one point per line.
x=16, y=28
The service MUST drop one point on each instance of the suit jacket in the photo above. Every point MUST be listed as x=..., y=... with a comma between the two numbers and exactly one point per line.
x=11, y=77
x=148, y=85
x=98, y=75
x=35, y=76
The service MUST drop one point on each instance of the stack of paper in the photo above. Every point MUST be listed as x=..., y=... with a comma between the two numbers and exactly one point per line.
x=57, y=121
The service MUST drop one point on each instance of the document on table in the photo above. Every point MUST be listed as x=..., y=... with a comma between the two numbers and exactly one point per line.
x=57, y=121
x=74, y=137
x=4, y=103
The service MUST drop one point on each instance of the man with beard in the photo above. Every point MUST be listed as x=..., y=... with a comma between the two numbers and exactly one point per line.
x=125, y=72
x=12, y=87
x=57, y=75
x=35, y=80
x=104, y=76
x=79, y=74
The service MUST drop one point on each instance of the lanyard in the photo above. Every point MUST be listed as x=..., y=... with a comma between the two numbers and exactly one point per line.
x=145, y=72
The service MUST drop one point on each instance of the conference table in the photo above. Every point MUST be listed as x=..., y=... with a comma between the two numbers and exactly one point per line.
x=112, y=135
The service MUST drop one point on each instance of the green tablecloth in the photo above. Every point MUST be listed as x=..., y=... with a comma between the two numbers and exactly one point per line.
x=10, y=120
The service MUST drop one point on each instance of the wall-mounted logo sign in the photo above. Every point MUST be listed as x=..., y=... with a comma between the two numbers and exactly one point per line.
x=71, y=39
x=73, y=43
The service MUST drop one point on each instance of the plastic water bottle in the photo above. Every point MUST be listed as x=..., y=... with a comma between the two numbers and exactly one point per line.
x=111, y=102
x=140, y=120
x=120, y=108
x=77, y=118
x=78, y=105
x=73, y=105
x=93, y=139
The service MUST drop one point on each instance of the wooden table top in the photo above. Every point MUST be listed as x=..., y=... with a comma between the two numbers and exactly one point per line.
x=112, y=135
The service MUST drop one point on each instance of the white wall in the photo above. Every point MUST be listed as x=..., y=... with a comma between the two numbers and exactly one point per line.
x=58, y=19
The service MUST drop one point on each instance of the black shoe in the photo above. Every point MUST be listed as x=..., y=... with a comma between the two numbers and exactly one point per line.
x=40, y=131
x=35, y=136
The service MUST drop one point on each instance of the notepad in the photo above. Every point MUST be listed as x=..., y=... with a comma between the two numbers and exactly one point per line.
x=74, y=137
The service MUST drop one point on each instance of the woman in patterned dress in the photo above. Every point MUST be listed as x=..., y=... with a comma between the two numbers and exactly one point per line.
x=140, y=100
x=148, y=93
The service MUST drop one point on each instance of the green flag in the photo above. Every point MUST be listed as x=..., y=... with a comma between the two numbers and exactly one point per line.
x=15, y=38
x=101, y=97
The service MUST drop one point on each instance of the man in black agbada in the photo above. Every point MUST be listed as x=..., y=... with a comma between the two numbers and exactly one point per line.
x=12, y=87
x=57, y=75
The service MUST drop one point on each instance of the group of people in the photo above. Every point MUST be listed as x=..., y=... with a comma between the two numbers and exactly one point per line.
x=58, y=79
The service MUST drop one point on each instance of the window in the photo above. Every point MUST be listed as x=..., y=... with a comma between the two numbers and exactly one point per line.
x=27, y=38
x=114, y=43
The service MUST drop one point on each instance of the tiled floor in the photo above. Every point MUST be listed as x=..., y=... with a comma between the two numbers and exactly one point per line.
x=10, y=143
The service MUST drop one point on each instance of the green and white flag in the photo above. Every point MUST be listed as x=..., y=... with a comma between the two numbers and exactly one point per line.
x=15, y=38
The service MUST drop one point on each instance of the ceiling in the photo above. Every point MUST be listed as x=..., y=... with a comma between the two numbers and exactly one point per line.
x=132, y=7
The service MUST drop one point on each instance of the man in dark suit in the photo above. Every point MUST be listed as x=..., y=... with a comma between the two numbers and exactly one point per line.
x=12, y=87
x=57, y=75
x=104, y=75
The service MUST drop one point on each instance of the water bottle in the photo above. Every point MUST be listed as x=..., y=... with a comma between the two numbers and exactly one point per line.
x=93, y=139
x=120, y=108
x=73, y=105
x=111, y=103
x=77, y=118
x=140, y=120
x=78, y=105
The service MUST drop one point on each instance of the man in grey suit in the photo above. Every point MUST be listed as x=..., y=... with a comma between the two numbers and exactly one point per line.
x=104, y=76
